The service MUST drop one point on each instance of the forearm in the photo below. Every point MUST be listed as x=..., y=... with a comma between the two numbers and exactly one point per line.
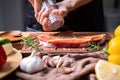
x=32, y=2
x=73, y=4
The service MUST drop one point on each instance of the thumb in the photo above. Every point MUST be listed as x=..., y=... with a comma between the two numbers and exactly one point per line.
x=61, y=10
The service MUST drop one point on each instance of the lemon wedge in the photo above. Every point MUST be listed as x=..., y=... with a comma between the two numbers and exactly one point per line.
x=107, y=71
x=6, y=45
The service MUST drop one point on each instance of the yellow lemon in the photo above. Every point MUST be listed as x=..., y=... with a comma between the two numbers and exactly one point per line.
x=114, y=59
x=114, y=46
x=107, y=71
x=117, y=31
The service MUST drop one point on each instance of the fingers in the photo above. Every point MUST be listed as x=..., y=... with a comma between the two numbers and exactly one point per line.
x=46, y=24
x=43, y=19
x=43, y=15
x=37, y=7
x=39, y=14
x=36, y=4
x=61, y=11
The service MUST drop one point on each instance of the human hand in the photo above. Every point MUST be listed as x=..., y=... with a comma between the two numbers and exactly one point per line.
x=61, y=10
x=43, y=16
x=36, y=5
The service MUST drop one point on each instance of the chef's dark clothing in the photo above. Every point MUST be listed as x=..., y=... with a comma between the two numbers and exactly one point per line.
x=85, y=18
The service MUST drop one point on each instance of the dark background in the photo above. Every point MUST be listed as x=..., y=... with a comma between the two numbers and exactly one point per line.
x=13, y=14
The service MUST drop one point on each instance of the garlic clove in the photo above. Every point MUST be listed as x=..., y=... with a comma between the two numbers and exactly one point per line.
x=56, y=57
x=59, y=62
x=51, y=63
x=45, y=58
x=65, y=70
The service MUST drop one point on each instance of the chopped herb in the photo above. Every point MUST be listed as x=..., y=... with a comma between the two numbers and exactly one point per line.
x=29, y=42
x=94, y=46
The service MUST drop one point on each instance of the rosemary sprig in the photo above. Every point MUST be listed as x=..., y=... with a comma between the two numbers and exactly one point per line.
x=29, y=42
x=94, y=46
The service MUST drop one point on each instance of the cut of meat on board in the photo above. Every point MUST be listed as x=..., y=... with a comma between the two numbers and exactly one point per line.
x=71, y=41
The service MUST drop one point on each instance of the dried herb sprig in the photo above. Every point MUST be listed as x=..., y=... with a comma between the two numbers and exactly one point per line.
x=29, y=42
x=94, y=46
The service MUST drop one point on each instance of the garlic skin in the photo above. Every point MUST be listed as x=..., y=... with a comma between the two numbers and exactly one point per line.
x=32, y=63
x=53, y=62
x=65, y=70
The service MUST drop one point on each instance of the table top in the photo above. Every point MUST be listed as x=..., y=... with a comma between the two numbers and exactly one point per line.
x=18, y=46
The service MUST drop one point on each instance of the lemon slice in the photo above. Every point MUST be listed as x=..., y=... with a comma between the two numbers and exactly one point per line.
x=107, y=71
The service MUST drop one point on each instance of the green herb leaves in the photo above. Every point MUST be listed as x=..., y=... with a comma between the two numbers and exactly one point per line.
x=29, y=42
x=94, y=46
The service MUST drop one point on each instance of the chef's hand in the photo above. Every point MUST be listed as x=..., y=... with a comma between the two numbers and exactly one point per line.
x=62, y=10
x=36, y=5
x=41, y=14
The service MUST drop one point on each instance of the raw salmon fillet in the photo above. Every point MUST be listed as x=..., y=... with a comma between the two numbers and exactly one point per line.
x=72, y=41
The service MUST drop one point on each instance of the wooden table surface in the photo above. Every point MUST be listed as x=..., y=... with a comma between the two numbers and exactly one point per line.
x=18, y=46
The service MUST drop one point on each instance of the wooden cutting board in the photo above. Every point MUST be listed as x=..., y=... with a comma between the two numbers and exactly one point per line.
x=12, y=37
x=65, y=50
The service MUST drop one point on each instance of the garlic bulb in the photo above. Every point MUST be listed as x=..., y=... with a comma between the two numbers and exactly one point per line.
x=32, y=63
